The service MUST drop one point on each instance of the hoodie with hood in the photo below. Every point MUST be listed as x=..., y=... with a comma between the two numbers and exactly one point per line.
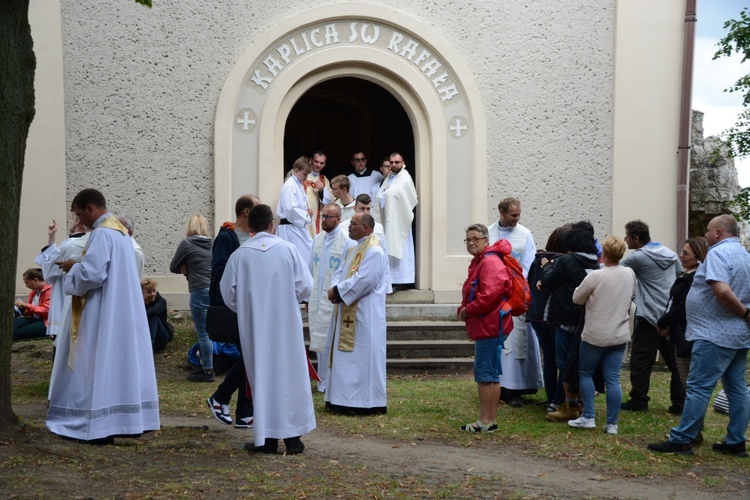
x=483, y=294
x=656, y=267
x=195, y=253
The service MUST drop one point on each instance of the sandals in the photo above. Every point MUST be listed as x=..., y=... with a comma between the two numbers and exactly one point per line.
x=478, y=427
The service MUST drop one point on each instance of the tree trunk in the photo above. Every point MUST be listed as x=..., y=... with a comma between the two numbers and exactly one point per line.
x=17, y=67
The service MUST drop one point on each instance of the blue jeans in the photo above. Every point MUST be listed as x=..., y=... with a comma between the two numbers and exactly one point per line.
x=198, y=308
x=708, y=363
x=610, y=357
x=546, y=338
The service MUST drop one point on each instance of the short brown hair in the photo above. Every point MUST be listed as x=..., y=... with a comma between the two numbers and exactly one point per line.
x=508, y=202
x=342, y=181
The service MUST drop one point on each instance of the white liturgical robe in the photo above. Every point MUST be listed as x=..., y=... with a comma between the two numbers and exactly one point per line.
x=292, y=206
x=264, y=281
x=328, y=255
x=59, y=303
x=111, y=388
x=357, y=378
x=395, y=202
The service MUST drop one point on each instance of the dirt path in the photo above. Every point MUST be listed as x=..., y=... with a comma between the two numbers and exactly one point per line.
x=515, y=468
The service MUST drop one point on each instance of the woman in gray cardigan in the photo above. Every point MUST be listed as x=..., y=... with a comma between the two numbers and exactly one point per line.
x=193, y=259
x=607, y=294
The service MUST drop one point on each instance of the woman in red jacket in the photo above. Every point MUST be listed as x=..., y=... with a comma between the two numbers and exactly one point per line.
x=488, y=320
x=33, y=323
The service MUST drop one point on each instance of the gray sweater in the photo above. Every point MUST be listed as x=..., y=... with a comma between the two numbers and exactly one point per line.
x=195, y=253
x=656, y=267
x=606, y=293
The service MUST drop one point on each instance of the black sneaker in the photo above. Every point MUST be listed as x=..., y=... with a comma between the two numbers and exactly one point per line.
x=675, y=409
x=243, y=423
x=271, y=447
x=516, y=402
x=670, y=447
x=737, y=450
x=294, y=446
x=201, y=376
x=630, y=406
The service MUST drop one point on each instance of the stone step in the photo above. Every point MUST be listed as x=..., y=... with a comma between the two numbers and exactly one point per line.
x=421, y=312
x=461, y=366
x=411, y=297
x=420, y=330
x=415, y=312
x=420, y=349
x=458, y=366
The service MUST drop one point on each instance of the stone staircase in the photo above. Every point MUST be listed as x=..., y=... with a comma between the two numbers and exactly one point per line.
x=423, y=337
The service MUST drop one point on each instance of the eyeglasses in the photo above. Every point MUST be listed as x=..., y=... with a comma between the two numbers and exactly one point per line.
x=328, y=217
x=474, y=240
x=360, y=160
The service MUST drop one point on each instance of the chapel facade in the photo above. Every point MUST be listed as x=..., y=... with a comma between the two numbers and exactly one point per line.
x=570, y=106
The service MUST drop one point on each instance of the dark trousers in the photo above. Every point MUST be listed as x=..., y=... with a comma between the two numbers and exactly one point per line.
x=160, y=336
x=546, y=336
x=234, y=380
x=646, y=342
x=27, y=328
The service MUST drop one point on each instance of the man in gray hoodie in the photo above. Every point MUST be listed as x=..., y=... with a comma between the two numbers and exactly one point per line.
x=656, y=267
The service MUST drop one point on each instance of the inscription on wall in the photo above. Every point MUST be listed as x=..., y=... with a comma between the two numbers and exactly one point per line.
x=355, y=33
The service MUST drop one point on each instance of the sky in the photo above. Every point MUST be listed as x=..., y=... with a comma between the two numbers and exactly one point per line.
x=710, y=78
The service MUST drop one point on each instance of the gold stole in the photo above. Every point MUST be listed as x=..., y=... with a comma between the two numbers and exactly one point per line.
x=349, y=312
x=77, y=303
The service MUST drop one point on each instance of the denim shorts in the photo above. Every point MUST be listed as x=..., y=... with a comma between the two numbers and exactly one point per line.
x=487, y=366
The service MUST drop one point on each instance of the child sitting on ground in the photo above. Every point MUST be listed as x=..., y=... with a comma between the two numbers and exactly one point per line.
x=156, y=312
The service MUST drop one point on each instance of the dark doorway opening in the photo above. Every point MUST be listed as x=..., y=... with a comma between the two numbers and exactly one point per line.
x=346, y=114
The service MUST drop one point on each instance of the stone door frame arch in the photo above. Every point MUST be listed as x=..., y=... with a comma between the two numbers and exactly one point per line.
x=449, y=138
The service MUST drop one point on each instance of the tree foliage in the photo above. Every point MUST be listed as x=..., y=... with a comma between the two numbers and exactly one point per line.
x=737, y=137
x=737, y=40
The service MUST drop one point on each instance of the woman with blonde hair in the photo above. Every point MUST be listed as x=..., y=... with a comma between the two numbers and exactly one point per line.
x=193, y=259
x=606, y=293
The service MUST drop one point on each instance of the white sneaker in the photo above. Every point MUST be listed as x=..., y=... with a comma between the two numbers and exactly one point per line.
x=219, y=411
x=583, y=423
x=610, y=428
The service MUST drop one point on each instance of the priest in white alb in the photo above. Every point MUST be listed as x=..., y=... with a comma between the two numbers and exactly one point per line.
x=264, y=281
x=357, y=341
x=294, y=214
x=106, y=383
x=396, y=201
x=327, y=257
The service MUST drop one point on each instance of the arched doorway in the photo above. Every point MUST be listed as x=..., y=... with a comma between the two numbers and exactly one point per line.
x=345, y=114
x=351, y=45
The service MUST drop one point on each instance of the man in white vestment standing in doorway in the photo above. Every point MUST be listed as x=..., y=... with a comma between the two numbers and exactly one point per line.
x=264, y=281
x=294, y=214
x=396, y=201
x=357, y=349
x=108, y=388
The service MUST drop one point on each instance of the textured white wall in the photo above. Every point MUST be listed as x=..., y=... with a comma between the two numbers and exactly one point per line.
x=141, y=86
